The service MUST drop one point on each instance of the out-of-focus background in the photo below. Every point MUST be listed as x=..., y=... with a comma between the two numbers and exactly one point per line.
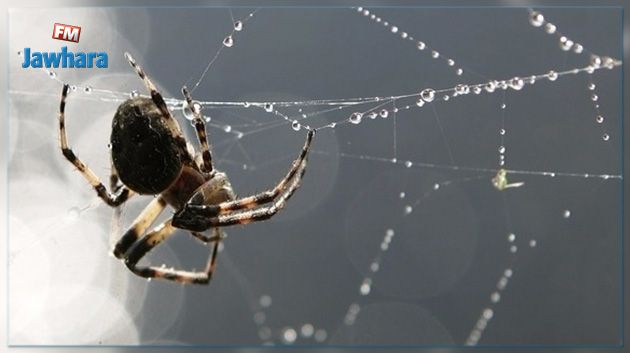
x=370, y=251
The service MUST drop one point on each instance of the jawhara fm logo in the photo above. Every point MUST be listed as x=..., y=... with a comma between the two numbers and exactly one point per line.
x=64, y=58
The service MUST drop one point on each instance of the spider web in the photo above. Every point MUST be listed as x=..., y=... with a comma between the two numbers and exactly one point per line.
x=397, y=235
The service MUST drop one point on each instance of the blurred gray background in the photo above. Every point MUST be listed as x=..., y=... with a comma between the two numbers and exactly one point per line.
x=446, y=256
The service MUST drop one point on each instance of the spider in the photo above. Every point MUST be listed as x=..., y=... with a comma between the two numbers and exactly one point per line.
x=150, y=156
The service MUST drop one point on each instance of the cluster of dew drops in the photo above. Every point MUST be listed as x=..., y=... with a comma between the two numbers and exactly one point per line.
x=287, y=335
x=565, y=43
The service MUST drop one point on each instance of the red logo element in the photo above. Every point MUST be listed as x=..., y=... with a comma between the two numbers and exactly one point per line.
x=68, y=33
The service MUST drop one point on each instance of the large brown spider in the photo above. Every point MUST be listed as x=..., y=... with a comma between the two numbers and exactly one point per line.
x=150, y=156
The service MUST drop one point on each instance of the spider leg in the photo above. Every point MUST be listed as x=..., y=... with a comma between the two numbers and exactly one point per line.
x=154, y=238
x=157, y=98
x=200, y=217
x=207, y=239
x=200, y=127
x=139, y=226
x=113, y=200
x=262, y=213
x=199, y=221
x=115, y=185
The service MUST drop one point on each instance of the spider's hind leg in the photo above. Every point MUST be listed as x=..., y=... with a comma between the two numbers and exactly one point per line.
x=154, y=238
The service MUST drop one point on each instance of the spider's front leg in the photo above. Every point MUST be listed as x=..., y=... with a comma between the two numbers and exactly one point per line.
x=199, y=215
x=122, y=194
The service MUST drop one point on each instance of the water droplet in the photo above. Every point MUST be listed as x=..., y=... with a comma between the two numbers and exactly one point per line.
x=508, y=272
x=421, y=45
x=238, y=26
x=462, y=89
x=73, y=88
x=134, y=94
x=88, y=89
x=435, y=54
x=402, y=195
x=265, y=301
x=532, y=79
x=552, y=75
x=374, y=266
x=356, y=117
x=384, y=113
x=72, y=215
x=289, y=335
x=372, y=115
x=295, y=125
x=511, y=237
x=227, y=128
x=503, y=106
x=550, y=28
x=436, y=186
x=517, y=83
x=420, y=102
x=594, y=97
x=490, y=86
x=307, y=330
x=495, y=297
x=446, y=97
x=599, y=119
x=320, y=335
x=188, y=111
x=501, y=149
x=578, y=48
x=513, y=249
x=502, y=132
x=408, y=209
x=605, y=137
x=476, y=90
x=428, y=94
x=394, y=29
x=366, y=287
x=487, y=314
x=608, y=62
x=450, y=62
x=532, y=243
x=408, y=164
x=566, y=214
x=565, y=43
x=52, y=74
x=228, y=41
x=596, y=61
x=268, y=107
x=536, y=19
x=459, y=71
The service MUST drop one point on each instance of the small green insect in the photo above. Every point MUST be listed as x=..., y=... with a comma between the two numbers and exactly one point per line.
x=500, y=181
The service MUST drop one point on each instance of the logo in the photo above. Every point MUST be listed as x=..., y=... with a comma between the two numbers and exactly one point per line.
x=64, y=58
x=69, y=33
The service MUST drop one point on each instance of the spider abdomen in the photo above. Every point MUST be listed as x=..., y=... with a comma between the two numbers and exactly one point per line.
x=144, y=151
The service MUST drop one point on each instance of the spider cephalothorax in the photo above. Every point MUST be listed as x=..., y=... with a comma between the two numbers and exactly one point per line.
x=150, y=156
